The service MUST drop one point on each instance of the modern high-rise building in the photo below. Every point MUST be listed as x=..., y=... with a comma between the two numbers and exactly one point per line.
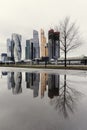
x=53, y=44
x=43, y=49
x=16, y=39
x=36, y=44
x=10, y=50
x=27, y=50
x=32, y=49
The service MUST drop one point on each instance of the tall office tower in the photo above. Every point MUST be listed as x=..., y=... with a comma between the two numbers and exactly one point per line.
x=27, y=50
x=36, y=44
x=43, y=50
x=53, y=44
x=53, y=85
x=32, y=49
x=16, y=39
x=10, y=50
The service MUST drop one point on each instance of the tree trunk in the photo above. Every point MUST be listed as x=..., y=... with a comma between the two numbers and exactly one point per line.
x=65, y=53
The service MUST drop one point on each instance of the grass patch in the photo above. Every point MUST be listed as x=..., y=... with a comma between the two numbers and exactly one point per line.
x=77, y=67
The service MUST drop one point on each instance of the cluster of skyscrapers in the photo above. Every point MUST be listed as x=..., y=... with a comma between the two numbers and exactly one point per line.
x=51, y=49
x=35, y=48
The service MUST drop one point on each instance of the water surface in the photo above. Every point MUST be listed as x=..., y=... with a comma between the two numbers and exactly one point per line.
x=34, y=100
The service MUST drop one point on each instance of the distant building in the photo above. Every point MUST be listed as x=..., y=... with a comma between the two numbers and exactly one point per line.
x=27, y=50
x=53, y=44
x=16, y=39
x=43, y=52
x=10, y=50
x=32, y=49
x=36, y=44
x=4, y=57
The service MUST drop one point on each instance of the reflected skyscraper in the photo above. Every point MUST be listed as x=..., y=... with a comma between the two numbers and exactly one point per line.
x=53, y=85
x=66, y=102
x=4, y=73
x=43, y=81
x=14, y=82
x=11, y=82
x=32, y=82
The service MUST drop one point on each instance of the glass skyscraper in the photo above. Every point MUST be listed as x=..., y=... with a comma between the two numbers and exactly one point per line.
x=16, y=39
x=53, y=44
x=32, y=49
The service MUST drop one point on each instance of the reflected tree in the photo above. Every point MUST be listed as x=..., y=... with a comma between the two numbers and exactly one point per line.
x=67, y=99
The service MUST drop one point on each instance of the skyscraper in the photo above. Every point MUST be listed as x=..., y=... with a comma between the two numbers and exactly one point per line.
x=27, y=50
x=43, y=52
x=16, y=39
x=10, y=50
x=36, y=44
x=32, y=49
x=53, y=44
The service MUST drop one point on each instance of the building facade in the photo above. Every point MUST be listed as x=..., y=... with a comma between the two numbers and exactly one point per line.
x=4, y=57
x=43, y=49
x=27, y=50
x=53, y=45
x=10, y=50
x=32, y=49
x=16, y=40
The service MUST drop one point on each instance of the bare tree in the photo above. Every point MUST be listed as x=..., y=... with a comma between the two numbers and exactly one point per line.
x=68, y=98
x=69, y=36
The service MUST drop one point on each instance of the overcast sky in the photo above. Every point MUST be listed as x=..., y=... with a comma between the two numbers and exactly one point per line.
x=22, y=16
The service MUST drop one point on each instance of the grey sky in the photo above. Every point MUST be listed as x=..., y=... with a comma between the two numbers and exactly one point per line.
x=22, y=16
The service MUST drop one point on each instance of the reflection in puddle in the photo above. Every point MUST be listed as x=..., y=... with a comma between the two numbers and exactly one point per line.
x=42, y=101
x=14, y=82
x=63, y=96
x=67, y=99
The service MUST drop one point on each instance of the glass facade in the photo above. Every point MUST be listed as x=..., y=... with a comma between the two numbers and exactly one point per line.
x=10, y=50
x=53, y=44
x=16, y=39
x=32, y=49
